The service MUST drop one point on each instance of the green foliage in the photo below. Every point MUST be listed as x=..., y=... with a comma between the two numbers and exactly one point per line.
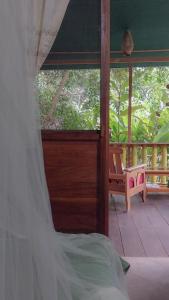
x=162, y=135
x=150, y=101
x=78, y=104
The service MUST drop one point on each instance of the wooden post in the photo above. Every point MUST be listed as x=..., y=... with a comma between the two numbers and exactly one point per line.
x=144, y=154
x=130, y=104
x=124, y=154
x=130, y=72
x=134, y=155
x=154, y=162
x=104, y=116
x=164, y=163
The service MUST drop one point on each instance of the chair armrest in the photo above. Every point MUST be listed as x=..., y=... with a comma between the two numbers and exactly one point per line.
x=135, y=168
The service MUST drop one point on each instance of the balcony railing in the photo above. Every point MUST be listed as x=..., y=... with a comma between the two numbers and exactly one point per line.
x=155, y=156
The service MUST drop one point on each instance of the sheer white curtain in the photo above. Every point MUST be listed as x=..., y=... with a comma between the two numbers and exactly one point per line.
x=48, y=18
x=36, y=263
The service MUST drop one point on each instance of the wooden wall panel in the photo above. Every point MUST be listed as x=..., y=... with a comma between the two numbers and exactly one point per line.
x=72, y=168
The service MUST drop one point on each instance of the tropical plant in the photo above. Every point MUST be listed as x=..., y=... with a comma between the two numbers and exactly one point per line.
x=70, y=99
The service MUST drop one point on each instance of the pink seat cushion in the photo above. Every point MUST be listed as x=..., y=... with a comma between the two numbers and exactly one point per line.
x=139, y=181
x=131, y=182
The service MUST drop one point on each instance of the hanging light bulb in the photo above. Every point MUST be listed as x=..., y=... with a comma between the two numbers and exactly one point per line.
x=127, y=43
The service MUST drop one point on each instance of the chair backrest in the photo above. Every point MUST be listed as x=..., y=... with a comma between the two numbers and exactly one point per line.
x=115, y=163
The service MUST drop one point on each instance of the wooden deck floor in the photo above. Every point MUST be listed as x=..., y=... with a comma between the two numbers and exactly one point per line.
x=148, y=278
x=144, y=231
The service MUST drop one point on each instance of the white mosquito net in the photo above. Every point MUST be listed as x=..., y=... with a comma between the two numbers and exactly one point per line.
x=36, y=263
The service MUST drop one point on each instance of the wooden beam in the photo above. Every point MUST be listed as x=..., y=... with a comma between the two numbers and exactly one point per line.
x=121, y=60
x=67, y=135
x=157, y=172
x=139, y=144
x=112, y=52
x=104, y=115
x=131, y=60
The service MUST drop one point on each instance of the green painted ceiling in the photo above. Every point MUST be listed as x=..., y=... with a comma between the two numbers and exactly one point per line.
x=148, y=20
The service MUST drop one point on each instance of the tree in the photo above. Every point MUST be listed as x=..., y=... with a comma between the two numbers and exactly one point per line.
x=150, y=103
x=71, y=100
x=76, y=105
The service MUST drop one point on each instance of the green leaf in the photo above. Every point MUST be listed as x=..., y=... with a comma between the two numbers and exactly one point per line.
x=163, y=135
x=134, y=109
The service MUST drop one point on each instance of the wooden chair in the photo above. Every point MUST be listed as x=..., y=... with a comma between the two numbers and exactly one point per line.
x=127, y=181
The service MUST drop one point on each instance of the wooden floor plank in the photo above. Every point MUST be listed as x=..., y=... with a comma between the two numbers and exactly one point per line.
x=160, y=226
x=148, y=278
x=130, y=239
x=114, y=231
x=148, y=235
x=131, y=242
x=162, y=206
x=145, y=230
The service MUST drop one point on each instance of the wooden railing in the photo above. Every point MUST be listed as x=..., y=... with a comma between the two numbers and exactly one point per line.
x=155, y=156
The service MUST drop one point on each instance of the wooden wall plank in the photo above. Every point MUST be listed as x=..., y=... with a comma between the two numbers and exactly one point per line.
x=71, y=168
x=70, y=135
